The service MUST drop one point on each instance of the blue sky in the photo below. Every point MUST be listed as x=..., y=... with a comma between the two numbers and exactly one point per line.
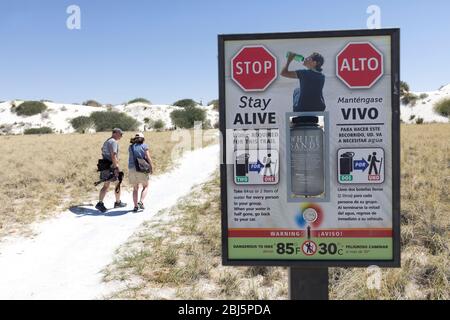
x=167, y=50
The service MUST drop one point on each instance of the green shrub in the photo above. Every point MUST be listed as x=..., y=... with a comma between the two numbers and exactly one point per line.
x=419, y=120
x=82, y=123
x=142, y=100
x=409, y=98
x=206, y=124
x=149, y=122
x=404, y=88
x=158, y=124
x=45, y=115
x=92, y=103
x=29, y=108
x=186, y=118
x=443, y=107
x=42, y=130
x=108, y=120
x=215, y=103
x=411, y=117
x=6, y=129
x=423, y=96
x=184, y=103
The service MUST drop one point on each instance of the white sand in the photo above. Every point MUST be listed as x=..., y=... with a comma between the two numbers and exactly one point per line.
x=65, y=259
x=425, y=108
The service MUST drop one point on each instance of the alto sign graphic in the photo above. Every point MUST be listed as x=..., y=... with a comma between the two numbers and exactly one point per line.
x=254, y=68
x=359, y=65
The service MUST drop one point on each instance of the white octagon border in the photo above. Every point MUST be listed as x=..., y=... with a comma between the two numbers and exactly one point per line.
x=375, y=80
x=269, y=83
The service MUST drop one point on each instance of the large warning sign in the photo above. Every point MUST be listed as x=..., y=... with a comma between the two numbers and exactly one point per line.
x=310, y=127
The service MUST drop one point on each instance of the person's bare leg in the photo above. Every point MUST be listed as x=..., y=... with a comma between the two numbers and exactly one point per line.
x=144, y=192
x=103, y=191
x=135, y=195
x=117, y=194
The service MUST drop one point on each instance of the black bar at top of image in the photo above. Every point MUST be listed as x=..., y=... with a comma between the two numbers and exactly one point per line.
x=309, y=34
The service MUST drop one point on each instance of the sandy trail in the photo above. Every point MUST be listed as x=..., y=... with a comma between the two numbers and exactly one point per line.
x=65, y=259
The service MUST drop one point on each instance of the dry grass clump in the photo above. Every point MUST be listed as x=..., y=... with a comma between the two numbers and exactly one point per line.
x=43, y=174
x=425, y=224
x=179, y=255
x=182, y=258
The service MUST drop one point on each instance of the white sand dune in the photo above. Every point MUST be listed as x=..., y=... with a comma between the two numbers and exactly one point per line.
x=424, y=108
x=65, y=259
x=58, y=115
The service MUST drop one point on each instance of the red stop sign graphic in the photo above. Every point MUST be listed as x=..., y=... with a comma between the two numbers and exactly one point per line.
x=359, y=65
x=254, y=68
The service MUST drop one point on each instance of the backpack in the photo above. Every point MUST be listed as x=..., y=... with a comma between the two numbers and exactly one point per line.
x=141, y=165
x=104, y=164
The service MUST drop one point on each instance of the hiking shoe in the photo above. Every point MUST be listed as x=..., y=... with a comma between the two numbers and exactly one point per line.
x=101, y=207
x=119, y=204
x=136, y=209
x=141, y=205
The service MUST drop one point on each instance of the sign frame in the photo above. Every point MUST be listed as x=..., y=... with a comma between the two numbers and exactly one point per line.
x=394, y=34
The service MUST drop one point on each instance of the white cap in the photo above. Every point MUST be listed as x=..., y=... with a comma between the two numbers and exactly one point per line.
x=139, y=135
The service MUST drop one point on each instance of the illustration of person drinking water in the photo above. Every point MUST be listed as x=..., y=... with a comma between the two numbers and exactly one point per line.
x=308, y=97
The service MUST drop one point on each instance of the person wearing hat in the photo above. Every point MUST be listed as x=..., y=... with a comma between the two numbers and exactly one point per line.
x=308, y=96
x=138, y=150
x=110, y=152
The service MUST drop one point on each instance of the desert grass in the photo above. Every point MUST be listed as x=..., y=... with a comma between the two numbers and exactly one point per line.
x=425, y=225
x=178, y=255
x=42, y=175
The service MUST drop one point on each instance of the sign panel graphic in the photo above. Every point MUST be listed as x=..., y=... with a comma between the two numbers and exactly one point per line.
x=310, y=168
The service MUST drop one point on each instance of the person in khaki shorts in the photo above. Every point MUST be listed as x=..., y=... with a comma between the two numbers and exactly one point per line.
x=138, y=149
x=110, y=152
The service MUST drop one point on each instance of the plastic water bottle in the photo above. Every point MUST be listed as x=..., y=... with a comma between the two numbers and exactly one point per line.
x=307, y=159
x=297, y=57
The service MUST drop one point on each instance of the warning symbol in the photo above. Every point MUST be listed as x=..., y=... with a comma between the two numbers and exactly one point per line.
x=309, y=248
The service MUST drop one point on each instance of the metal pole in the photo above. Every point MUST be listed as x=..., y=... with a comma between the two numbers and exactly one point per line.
x=308, y=283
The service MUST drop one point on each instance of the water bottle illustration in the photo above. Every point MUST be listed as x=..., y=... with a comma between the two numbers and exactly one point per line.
x=297, y=57
x=242, y=160
x=307, y=159
x=346, y=163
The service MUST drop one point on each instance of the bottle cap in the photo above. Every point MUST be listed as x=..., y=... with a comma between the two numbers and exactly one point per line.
x=305, y=119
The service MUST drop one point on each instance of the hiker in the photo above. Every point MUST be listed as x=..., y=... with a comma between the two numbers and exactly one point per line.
x=373, y=163
x=140, y=167
x=267, y=165
x=309, y=96
x=111, y=172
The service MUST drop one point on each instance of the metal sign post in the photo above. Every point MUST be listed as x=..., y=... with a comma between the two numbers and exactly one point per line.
x=308, y=283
